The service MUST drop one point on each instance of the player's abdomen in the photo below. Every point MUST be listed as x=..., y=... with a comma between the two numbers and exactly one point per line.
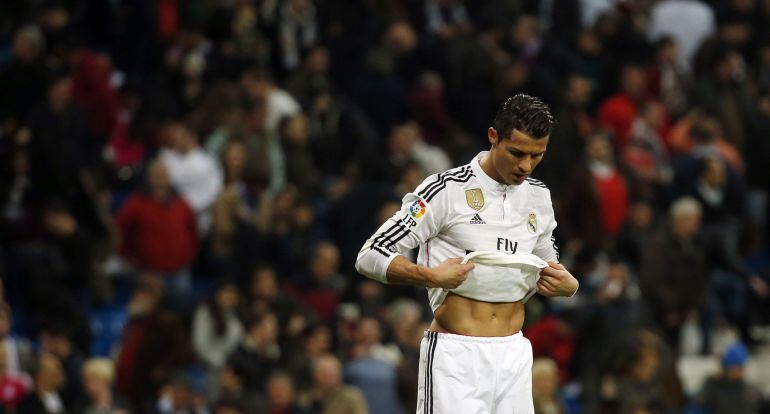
x=464, y=316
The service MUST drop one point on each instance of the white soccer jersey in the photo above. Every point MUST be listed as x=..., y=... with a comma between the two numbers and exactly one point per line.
x=460, y=211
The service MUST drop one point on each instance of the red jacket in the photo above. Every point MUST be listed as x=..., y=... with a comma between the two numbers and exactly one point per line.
x=157, y=235
x=613, y=201
x=618, y=113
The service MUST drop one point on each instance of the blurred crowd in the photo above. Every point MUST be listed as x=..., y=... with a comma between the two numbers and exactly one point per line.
x=184, y=187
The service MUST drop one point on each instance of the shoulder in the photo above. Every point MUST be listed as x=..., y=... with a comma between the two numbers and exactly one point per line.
x=539, y=189
x=536, y=183
x=351, y=393
x=436, y=183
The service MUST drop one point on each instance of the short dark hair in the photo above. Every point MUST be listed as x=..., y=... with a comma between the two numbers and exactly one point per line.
x=525, y=113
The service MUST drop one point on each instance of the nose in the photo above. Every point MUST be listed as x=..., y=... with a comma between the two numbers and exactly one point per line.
x=525, y=165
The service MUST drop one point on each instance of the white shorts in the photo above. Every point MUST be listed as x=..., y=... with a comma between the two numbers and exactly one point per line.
x=475, y=375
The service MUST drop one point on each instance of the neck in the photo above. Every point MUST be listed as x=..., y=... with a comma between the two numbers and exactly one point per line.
x=328, y=391
x=43, y=389
x=160, y=195
x=489, y=169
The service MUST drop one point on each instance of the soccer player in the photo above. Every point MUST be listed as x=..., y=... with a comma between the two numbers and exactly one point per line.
x=474, y=358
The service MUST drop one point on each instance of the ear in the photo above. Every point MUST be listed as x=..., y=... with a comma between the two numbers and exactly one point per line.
x=492, y=136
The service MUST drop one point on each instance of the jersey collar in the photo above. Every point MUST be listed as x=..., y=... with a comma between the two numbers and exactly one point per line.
x=486, y=181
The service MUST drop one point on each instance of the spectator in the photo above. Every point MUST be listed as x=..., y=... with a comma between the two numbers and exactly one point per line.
x=58, y=140
x=154, y=345
x=15, y=385
x=341, y=133
x=93, y=91
x=23, y=77
x=281, y=395
x=98, y=379
x=689, y=23
x=723, y=93
x=264, y=294
x=640, y=376
x=637, y=230
x=56, y=341
x=368, y=372
x=316, y=343
x=313, y=77
x=242, y=214
x=368, y=337
x=297, y=31
x=49, y=377
x=301, y=169
x=427, y=100
x=573, y=128
x=178, y=396
x=407, y=144
x=216, y=329
x=446, y=19
x=331, y=395
x=233, y=389
x=194, y=174
x=728, y=392
x=645, y=156
x=159, y=232
x=619, y=111
x=324, y=284
x=18, y=352
x=545, y=387
x=673, y=274
x=263, y=143
x=667, y=77
x=260, y=86
x=596, y=202
x=223, y=115
x=259, y=352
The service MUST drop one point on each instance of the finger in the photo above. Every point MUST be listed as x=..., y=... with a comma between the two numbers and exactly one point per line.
x=556, y=265
x=553, y=278
x=553, y=281
x=548, y=282
x=545, y=289
x=549, y=271
x=457, y=260
x=468, y=267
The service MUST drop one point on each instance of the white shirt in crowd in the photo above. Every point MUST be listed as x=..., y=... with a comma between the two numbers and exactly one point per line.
x=198, y=178
x=211, y=348
x=688, y=22
x=280, y=104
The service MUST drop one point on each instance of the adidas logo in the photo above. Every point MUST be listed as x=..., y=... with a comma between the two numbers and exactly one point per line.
x=477, y=219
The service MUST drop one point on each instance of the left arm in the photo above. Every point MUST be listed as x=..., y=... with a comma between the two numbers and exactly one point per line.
x=554, y=280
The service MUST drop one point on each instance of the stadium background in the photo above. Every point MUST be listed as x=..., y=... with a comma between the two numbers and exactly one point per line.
x=185, y=186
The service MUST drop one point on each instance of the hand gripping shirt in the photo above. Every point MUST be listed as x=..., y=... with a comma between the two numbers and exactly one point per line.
x=462, y=211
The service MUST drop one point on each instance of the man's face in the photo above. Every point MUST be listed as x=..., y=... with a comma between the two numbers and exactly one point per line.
x=516, y=156
x=51, y=372
x=633, y=81
x=157, y=177
x=280, y=391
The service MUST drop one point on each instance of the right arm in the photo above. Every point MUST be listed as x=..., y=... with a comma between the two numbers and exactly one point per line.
x=449, y=274
x=421, y=217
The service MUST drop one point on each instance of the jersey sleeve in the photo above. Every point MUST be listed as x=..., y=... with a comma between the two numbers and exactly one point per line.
x=546, y=248
x=421, y=217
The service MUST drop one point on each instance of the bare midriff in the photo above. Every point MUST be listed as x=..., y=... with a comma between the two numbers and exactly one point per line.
x=463, y=316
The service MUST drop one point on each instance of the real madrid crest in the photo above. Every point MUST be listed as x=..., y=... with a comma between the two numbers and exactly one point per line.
x=532, y=223
x=475, y=198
